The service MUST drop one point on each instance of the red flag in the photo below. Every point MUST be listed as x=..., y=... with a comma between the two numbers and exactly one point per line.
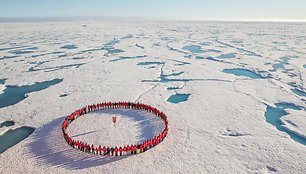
x=114, y=119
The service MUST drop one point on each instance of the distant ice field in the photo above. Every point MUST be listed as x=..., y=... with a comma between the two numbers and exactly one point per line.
x=234, y=94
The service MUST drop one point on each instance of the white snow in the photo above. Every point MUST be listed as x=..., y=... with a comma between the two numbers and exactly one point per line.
x=220, y=129
x=132, y=127
x=2, y=88
x=295, y=121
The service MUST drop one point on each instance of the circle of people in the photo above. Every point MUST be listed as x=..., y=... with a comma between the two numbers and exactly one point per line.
x=120, y=150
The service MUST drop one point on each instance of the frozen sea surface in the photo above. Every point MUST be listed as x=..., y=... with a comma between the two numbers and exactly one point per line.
x=234, y=94
x=14, y=94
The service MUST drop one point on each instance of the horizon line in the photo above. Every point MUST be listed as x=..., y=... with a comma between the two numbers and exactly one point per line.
x=98, y=18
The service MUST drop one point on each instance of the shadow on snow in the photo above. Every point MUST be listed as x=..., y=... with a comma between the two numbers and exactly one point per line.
x=48, y=146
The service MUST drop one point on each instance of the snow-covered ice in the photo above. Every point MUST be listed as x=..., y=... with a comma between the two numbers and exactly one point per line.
x=220, y=127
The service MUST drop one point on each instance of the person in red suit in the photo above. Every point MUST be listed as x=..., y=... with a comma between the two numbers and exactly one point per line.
x=120, y=151
x=124, y=150
x=116, y=151
x=104, y=150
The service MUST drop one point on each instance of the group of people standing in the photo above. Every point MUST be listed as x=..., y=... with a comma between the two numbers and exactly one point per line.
x=120, y=150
